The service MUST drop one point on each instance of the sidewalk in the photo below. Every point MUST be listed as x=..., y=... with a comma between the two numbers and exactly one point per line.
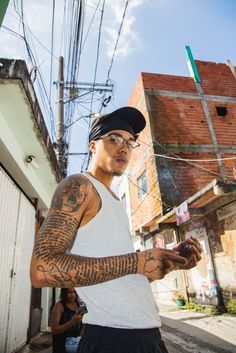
x=218, y=330
x=42, y=343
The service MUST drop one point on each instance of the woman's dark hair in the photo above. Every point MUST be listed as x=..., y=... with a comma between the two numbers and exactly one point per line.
x=63, y=295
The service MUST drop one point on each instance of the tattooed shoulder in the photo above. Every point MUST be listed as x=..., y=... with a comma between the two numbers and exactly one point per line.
x=71, y=193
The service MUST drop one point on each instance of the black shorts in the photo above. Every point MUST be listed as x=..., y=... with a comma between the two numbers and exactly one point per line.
x=99, y=339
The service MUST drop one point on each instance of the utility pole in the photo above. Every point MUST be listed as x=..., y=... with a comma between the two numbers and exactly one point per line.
x=60, y=144
x=75, y=89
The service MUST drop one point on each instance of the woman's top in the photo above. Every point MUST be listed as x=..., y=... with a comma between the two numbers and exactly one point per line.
x=58, y=341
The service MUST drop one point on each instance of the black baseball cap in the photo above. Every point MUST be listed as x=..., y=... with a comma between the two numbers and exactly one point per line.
x=126, y=118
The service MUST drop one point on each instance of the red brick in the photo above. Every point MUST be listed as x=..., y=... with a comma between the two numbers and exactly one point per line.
x=180, y=121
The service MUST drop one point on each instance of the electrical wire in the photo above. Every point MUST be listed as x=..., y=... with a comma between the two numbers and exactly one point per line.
x=32, y=58
x=210, y=172
x=52, y=49
x=63, y=27
x=194, y=160
x=95, y=74
x=206, y=170
x=114, y=51
x=90, y=25
x=75, y=19
x=117, y=40
x=97, y=56
x=174, y=158
x=112, y=61
x=42, y=90
x=146, y=193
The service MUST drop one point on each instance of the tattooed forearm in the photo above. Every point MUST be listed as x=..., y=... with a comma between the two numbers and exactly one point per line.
x=54, y=277
x=94, y=271
x=82, y=271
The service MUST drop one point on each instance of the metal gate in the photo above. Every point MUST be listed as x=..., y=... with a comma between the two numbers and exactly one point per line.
x=17, y=224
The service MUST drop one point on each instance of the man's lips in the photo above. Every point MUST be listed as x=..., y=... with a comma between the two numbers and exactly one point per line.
x=121, y=160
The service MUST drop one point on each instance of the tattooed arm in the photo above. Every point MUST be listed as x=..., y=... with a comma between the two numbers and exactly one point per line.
x=51, y=265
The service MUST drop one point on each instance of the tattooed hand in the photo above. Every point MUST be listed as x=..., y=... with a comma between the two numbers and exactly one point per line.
x=190, y=249
x=156, y=263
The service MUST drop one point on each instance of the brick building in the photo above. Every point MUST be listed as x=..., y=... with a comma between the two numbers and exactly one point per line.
x=186, y=158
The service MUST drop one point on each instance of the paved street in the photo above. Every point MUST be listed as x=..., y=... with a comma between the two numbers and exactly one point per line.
x=177, y=341
x=186, y=331
x=183, y=332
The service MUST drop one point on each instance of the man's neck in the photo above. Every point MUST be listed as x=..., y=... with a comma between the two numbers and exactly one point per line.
x=105, y=179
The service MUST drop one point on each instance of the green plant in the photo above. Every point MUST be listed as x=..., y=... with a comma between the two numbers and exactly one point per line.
x=211, y=310
x=208, y=309
x=190, y=306
x=231, y=306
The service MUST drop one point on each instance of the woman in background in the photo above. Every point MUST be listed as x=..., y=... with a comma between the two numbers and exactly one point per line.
x=66, y=320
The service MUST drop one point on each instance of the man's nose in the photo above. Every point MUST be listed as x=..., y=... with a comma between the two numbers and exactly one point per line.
x=124, y=147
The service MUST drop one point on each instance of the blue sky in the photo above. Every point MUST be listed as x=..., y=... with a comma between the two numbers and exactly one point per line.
x=152, y=40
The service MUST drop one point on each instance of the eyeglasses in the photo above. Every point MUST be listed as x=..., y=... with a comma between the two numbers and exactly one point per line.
x=118, y=140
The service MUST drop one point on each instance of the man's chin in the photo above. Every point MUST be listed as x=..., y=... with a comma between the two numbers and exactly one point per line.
x=117, y=173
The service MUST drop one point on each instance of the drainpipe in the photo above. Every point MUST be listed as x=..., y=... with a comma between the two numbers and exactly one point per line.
x=177, y=235
x=220, y=299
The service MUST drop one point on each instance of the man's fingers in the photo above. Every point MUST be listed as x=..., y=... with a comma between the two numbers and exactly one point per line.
x=196, y=243
x=176, y=259
x=198, y=255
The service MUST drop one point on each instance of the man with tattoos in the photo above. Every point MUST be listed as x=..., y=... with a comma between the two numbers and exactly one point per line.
x=85, y=242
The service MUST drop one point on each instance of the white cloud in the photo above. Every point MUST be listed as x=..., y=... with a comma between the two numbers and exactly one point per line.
x=129, y=40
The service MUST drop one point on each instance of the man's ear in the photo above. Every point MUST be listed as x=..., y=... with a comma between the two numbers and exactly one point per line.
x=92, y=146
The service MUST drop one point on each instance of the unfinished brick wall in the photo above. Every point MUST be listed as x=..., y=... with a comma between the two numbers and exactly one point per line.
x=142, y=159
x=177, y=125
x=217, y=79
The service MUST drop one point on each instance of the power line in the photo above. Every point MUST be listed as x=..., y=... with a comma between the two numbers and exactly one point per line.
x=52, y=49
x=114, y=51
x=194, y=160
x=20, y=13
x=193, y=164
x=149, y=194
x=98, y=50
x=95, y=72
x=76, y=23
x=186, y=161
x=90, y=25
x=63, y=27
x=117, y=40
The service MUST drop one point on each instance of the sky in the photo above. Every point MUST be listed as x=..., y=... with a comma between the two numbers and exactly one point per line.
x=152, y=39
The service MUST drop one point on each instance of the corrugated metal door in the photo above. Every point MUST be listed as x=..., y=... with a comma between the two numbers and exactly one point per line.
x=17, y=219
x=9, y=206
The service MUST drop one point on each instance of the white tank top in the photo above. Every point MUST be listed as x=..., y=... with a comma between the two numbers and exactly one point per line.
x=125, y=302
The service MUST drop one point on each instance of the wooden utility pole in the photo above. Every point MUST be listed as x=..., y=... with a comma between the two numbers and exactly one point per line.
x=60, y=150
x=77, y=87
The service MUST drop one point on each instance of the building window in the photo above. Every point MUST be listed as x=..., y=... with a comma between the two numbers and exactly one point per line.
x=142, y=185
x=221, y=111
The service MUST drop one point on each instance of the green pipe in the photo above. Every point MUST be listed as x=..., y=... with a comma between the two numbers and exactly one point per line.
x=3, y=8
